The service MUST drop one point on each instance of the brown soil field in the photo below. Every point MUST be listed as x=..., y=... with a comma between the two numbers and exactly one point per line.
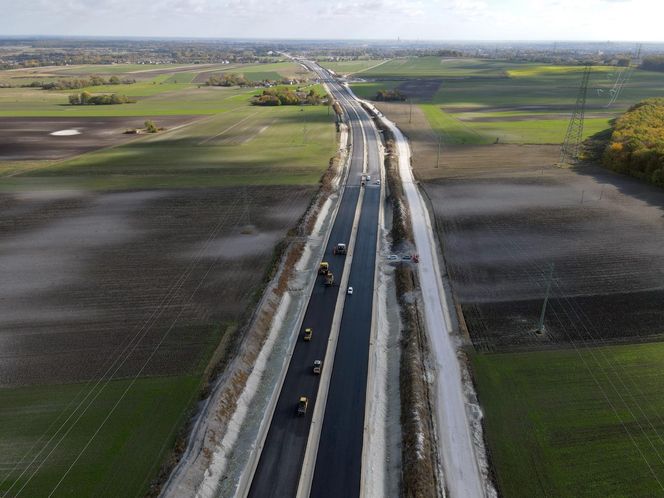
x=420, y=90
x=464, y=160
x=86, y=273
x=30, y=138
x=505, y=214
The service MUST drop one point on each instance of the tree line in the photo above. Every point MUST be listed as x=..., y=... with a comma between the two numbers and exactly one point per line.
x=286, y=96
x=230, y=79
x=653, y=63
x=86, y=98
x=233, y=79
x=76, y=83
x=636, y=147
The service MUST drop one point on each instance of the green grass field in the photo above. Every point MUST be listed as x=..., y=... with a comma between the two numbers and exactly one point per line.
x=352, y=67
x=436, y=67
x=98, y=438
x=122, y=457
x=245, y=145
x=586, y=424
x=161, y=95
x=479, y=101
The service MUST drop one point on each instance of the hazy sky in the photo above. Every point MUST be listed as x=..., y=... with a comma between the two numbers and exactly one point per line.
x=600, y=20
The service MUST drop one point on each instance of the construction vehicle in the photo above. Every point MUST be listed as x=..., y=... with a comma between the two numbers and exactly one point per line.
x=329, y=279
x=317, y=366
x=340, y=249
x=302, y=405
x=323, y=268
x=307, y=334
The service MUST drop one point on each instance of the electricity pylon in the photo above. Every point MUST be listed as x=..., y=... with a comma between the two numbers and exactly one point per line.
x=570, y=149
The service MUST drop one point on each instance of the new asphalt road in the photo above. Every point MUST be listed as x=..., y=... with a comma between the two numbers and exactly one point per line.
x=338, y=463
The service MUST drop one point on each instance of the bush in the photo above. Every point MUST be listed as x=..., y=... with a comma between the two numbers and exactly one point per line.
x=150, y=127
x=390, y=96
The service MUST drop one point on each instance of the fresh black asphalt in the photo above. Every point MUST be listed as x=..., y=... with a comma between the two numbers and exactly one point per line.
x=280, y=464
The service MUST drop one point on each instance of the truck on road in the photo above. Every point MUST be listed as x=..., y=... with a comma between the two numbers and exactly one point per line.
x=329, y=279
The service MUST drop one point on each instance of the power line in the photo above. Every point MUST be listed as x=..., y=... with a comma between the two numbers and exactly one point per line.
x=572, y=143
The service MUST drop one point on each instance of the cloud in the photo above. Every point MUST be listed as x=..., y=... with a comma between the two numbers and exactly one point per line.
x=372, y=8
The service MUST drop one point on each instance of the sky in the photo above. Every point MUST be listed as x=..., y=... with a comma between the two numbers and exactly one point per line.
x=599, y=20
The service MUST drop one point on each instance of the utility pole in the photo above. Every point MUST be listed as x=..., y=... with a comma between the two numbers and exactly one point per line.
x=569, y=152
x=410, y=116
x=438, y=155
x=540, y=325
x=247, y=209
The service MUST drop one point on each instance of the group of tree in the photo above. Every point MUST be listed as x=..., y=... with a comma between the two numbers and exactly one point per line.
x=390, y=96
x=86, y=98
x=637, y=142
x=76, y=83
x=286, y=96
x=653, y=63
x=230, y=79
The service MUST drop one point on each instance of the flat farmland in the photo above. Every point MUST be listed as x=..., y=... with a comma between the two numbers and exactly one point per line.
x=87, y=273
x=477, y=102
x=436, y=67
x=44, y=429
x=244, y=145
x=158, y=92
x=354, y=66
x=583, y=423
x=130, y=265
x=505, y=213
x=603, y=233
x=24, y=139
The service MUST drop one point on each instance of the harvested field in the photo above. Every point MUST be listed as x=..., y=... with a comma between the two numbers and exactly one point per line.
x=33, y=138
x=420, y=90
x=84, y=272
x=604, y=233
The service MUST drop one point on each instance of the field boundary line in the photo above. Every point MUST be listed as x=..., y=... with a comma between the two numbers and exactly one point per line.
x=227, y=129
x=372, y=67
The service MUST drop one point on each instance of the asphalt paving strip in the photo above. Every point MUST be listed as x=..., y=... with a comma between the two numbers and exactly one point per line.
x=279, y=467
